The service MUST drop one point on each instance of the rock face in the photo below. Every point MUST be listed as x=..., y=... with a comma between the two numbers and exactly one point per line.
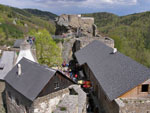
x=77, y=32
x=75, y=24
x=71, y=45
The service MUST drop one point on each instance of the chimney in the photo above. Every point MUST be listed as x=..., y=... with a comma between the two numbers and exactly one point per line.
x=19, y=69
x=114, y=50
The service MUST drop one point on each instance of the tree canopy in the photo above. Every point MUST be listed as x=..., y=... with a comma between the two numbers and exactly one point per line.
x=47, y=50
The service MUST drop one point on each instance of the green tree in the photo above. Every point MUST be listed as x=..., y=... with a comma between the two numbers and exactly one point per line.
x=47, y=50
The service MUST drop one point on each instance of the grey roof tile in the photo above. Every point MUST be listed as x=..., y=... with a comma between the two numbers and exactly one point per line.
x=18, y=42
x=32, y=79
x=6, y=63
x=116, y=73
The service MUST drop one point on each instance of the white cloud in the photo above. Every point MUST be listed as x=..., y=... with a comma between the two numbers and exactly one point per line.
x=111, y=2
x=66, y=6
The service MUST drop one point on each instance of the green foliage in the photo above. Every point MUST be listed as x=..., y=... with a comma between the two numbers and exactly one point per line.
x=47, y=51
x=16, y=23
x=4, y=8
x=59, y=40
x=131, y=33
x=42, y=14
x=118, y=42
x=63, y=108
x=102, y=19
x=2, y=34
x=2, y=109
x=11, y=31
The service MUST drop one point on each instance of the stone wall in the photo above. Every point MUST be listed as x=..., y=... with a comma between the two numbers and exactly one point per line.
x=16, y=103
x=134, y=105
x=47, y=104
x=2, y=87
x=68, y=44
x=70, y=24
x=74, y=103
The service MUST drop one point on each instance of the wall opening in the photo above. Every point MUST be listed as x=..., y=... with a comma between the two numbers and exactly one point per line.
x=17, y=101
x=145, y=88
x=56, y=85
x=73, y=92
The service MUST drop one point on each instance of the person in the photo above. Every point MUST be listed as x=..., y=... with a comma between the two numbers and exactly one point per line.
x=64, y=64
x=74, y=79
x=76, y=76
x=67, y=65
x=33, y=39
x=71, y=75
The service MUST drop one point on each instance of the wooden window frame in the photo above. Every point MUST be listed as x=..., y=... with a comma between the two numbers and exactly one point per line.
x=145, y=91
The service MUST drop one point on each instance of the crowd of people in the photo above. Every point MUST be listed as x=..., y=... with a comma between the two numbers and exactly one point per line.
x=74, y=75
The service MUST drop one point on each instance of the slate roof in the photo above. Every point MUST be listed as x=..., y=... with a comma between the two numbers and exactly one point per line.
x=32, y=80
x=6, y=63
x=116, y=73
x=18, y=42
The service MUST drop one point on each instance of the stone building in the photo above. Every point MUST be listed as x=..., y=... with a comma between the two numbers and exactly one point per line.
x=70, y=24
x=119, y=84
x=76, y=102
x=6, y=64
x=33, y=88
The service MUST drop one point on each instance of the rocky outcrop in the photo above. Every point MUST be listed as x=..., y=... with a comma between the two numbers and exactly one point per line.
x=75, y=25
x=70, y=45
x=77, y=31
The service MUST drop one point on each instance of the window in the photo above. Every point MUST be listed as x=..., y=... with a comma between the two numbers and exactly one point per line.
x=145, y=88
x=56, y=85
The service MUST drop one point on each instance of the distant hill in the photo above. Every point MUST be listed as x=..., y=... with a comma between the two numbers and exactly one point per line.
x=42, y=14
x=16, y=23
x=103, y=18
x=131, y=33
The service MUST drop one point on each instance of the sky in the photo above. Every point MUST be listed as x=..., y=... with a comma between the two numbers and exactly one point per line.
x=119, y=7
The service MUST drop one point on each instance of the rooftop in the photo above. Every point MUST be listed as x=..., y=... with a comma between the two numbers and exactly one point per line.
x=18, y=42
x=6, y=63
x=116, y=73
x=32, y=80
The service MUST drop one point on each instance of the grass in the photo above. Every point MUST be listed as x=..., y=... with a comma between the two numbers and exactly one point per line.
x=63, y=108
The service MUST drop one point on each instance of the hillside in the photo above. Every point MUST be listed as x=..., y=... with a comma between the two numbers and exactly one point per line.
x=16, y=23
x=42, y=14
x=131, y=33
